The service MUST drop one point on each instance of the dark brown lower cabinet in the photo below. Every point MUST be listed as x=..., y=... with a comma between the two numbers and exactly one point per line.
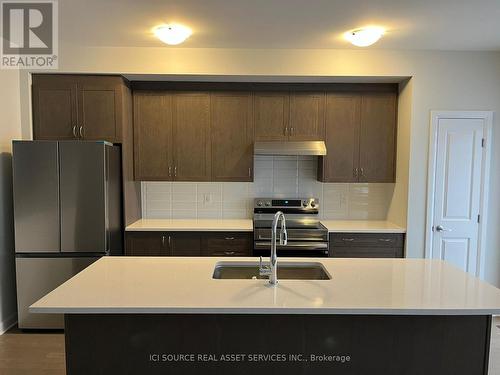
x=188, y=244
x=367, y=245
x=237, y=244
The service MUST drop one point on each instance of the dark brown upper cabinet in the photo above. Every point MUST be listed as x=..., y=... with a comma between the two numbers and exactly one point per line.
x=360, y=136
x=232, y=136
x=307, y=117
x=289, y=116
x=271, y=111
x=152, y=136
x=341, y=138
x=172, y=136
x=377, y=143
x=77, y=107
x=191, y=136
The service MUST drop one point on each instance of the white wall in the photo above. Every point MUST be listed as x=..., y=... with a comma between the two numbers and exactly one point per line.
x=9, y=129
x=441, y=81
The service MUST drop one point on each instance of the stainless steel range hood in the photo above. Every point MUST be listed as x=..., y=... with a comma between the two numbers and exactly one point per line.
x=316, y=148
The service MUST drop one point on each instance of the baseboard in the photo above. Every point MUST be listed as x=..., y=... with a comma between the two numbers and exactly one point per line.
x=6, y=324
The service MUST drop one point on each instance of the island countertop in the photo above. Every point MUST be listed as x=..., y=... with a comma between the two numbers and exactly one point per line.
x=358, y=286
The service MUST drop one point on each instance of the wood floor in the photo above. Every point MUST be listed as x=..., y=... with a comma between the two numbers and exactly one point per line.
x=33, y=353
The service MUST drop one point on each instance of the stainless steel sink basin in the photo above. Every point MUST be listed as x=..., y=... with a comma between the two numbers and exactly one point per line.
x=286, y=271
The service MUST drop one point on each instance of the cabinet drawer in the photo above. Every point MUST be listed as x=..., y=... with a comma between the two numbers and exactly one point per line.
x=366, y=252
x=227, y=244
x=366, y=239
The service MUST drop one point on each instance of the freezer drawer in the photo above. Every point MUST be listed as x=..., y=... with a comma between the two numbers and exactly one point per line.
x=38, y=276
x=36, y=196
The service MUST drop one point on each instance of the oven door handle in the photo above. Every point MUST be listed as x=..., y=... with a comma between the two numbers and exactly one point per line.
x=305, y=239
x=294, y=245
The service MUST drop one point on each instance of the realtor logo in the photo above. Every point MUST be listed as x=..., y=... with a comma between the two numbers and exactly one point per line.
x=29, y=35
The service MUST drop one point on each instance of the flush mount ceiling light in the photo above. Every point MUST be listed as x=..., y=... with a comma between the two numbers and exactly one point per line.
x=364, y=37
x=172, y=34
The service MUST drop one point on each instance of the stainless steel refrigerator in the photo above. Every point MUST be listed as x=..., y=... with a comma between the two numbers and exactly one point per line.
x=67, y=214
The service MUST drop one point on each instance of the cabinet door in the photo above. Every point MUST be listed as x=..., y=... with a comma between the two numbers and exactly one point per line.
x=152, y=136
x=378, y=137
x=146, y=244
x=341, y=138
x=191, y=137
x=54, y=107
x=307, y=117
x=99, y=108
x=271, y=111
x=232, y=137
x=185, y=244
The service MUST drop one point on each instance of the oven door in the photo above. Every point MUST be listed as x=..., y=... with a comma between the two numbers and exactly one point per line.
x=311, y=249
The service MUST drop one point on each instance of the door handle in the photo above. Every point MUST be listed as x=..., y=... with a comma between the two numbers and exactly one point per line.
x=440, y=228
x=81, y=131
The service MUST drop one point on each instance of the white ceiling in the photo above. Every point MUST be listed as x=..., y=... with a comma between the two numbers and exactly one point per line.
x=411, y=24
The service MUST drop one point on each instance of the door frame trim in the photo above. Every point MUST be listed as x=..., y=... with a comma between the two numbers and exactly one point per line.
x=487, y=116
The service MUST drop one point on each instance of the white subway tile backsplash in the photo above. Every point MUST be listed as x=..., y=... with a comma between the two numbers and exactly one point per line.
x=278, y=176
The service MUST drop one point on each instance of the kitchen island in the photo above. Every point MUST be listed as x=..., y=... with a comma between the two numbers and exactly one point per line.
x=369, y=316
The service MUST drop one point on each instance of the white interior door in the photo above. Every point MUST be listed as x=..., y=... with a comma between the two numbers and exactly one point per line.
x=457, y=191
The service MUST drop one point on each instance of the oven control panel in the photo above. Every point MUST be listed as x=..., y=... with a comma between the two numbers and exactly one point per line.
x=297, y=203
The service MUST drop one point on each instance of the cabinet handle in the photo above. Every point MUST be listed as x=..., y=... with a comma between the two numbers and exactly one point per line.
x=348, y=239
x=175, y=171
x=291, y=130
x=163, y=240
x=285, y=131
x=74, y=132
x=81, y=131
x=249, y=172
x=362, y=172
x=355, y=172
x=170, y=245
x=385, y=239
x=229, y=252
x=229, y=238
x=169, y=171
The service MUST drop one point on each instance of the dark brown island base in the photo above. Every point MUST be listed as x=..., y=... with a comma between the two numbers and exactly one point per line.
x=228, y=344
x=209, y=315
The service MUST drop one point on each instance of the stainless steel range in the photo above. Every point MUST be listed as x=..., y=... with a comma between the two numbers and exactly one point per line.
x=307, y=237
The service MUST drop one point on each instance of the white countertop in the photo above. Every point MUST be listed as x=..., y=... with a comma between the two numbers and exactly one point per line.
x=358, y=286
x=193, y=225
x=362, y=226
x=245, y=225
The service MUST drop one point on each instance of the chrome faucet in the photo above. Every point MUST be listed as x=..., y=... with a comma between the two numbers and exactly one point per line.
x=272, y=270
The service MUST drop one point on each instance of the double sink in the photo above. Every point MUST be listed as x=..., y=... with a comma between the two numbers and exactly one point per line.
x=286, y=271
